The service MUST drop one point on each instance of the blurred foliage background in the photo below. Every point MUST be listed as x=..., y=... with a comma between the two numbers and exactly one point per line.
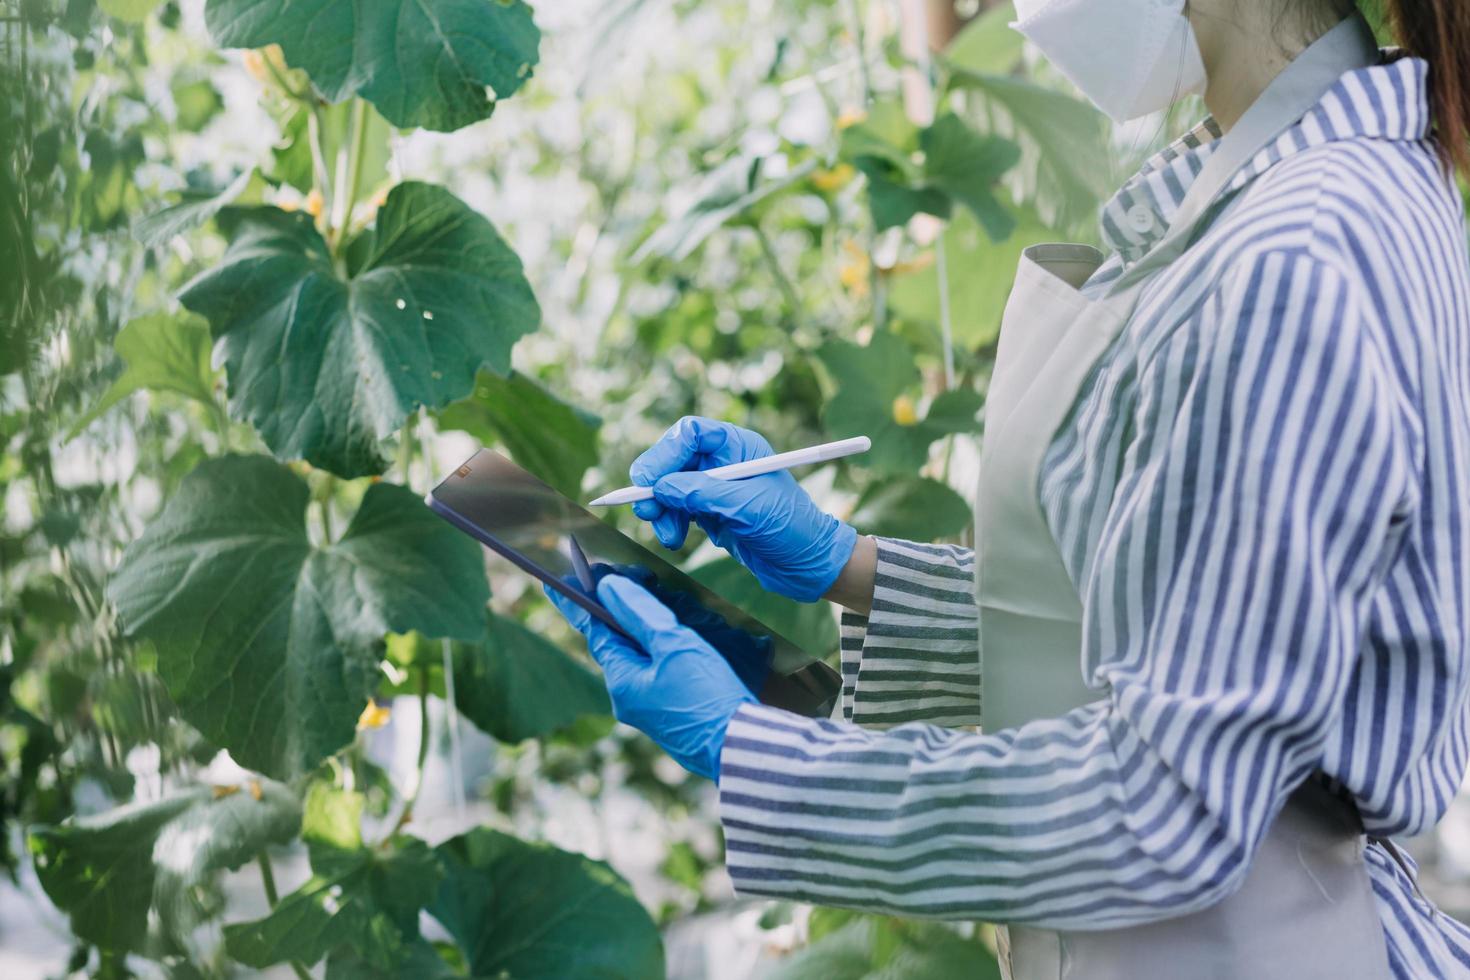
x=802, y=217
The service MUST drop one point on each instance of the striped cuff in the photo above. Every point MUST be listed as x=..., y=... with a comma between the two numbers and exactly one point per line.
x=916, y=655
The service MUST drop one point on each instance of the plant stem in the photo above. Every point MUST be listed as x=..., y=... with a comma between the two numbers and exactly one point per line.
x=354, y=170
x=314, y=128
x=412, y=796
x=267, y=878
x=406, y=449
x=327, y=507
x=788, y=290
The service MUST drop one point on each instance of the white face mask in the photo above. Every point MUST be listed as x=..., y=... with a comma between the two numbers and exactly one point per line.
x=1130, y=57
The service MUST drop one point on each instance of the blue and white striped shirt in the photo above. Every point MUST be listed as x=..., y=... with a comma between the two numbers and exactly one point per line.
x=1262, y=495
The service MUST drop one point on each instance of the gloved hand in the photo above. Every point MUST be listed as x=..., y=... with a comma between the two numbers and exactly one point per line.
x=750, y=656
x=671, y=685
x=768, y=522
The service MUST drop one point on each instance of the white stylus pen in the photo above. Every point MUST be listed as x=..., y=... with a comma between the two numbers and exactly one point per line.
x=751, y=467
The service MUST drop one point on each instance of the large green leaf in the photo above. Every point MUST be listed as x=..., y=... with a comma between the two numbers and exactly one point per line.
x=326, y=365
x=270, y=643
x=988, y=43
x=193, y=209
x=957, y=165
x=110, y=869
x=724, y=195
x=516, y=685
x=358, y=898
x=534, y=912
x=554, y=440
x=912, y=508
x=1064, y=167
x=875, y=388
x=966, y=165
x=163, y=352
x=439, y=64
x=980, y=273
x=810, y=625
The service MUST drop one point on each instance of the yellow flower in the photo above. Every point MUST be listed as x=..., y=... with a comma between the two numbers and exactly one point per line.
x=314, y=203
x=255, y=65
x=918, y=263
x=850, y=117
x=852, y=272
x=904, y=412
x=835, y=179
x=375, y=715
x=260, y=62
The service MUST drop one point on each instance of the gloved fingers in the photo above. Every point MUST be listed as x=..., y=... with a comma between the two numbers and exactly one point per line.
x=615, y=655
x=677, y=449
x=580, y=618
x=649, y=622
x=621, y=662
x=703, y=496
x=694, y=442
x=671, y=528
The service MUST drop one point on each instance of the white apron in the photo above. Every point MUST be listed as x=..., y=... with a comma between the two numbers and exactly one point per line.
x=1306, y=909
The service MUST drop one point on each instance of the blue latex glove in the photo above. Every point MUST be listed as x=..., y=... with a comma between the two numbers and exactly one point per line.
x=768, y=523
x=671, y=685
x=749, y=655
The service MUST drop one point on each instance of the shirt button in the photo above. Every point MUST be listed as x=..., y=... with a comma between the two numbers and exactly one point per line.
x=1141, y=219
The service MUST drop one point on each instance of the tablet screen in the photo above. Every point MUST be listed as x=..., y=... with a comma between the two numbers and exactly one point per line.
x=546, y=535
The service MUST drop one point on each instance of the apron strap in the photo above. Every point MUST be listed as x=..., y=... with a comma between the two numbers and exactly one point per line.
x=1291, y=95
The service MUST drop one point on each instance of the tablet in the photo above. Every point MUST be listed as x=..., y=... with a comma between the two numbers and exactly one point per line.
x=564, y=545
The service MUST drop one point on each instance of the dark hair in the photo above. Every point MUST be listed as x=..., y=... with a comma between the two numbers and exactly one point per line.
x=1439, y=32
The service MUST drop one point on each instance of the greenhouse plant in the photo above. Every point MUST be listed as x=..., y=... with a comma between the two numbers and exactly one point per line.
x=274, y=270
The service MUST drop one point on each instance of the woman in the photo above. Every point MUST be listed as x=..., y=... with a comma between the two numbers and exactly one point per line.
x=1222, y=581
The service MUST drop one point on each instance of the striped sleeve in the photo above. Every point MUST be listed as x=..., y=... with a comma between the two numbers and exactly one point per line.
x=916, y=655
x=1224, y=609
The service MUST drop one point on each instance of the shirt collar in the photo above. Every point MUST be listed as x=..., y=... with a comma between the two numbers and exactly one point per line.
x=1389, y=101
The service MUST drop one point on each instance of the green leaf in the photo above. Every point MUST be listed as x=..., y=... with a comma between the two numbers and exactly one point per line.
x=875, y=388
x=421, y=961
x=438, y=64
x=958, y=165
x=195, y=104
x=1064, y=166
x=163, y=352
x=966, y=165
x=551, y=438
x=578, y=919
x=988, y=43
x=953, y=412
x=325, y=366
x=268, y=643
x=363, y=899
x=980, y=275
x=516, y=685
x=193, y=209
x=893, y=202
x=132, y=11
x=725, y=194
x=110, y=869
x=809, y=625
x=879, y=948
x=911, y=508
